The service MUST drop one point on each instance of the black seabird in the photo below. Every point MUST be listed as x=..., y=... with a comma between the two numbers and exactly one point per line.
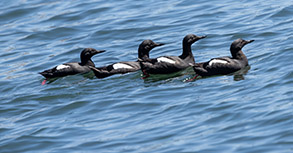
x=75, y=67
x=171, y=64
x=224, y=65
x=125, y=67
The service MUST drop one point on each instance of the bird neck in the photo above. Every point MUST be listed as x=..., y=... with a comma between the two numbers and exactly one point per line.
x=239, y=55
x=143, y=55
x=88, y=62
x=186, y=51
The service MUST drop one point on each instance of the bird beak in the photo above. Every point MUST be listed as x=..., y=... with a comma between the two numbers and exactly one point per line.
x=249, y=41
x=159, y=44
x=201, y=37
x=100, y=51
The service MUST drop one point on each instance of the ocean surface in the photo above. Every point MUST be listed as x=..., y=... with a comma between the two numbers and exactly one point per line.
x=247, y=112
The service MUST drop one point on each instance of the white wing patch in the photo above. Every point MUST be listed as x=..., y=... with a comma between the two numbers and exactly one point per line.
x=121, y=66
x=166, y=60
x=217, y=61
x=60, y=67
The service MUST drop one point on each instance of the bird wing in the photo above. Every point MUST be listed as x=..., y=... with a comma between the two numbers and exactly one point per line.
x=163, y=65
x=222, y=65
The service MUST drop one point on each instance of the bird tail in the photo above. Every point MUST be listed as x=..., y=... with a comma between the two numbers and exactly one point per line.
x=99, y=73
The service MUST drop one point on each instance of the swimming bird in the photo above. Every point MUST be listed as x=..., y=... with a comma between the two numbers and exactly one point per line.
x=125, y=67
x=73, y=68
x=171, y=64
x=224, y=65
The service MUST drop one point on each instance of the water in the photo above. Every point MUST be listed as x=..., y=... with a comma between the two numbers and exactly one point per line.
x=248, y=112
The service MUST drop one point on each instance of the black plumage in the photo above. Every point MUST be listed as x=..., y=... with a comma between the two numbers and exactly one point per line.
x=225, y=65
x=125, y=67
x=74, y=67
x=171, y=64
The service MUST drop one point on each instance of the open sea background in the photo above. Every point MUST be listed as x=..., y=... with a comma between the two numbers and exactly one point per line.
x=250, y=112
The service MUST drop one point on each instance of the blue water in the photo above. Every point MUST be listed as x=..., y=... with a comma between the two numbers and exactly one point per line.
x=250, y=112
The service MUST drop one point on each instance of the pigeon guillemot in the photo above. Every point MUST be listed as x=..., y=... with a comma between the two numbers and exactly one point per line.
x=171, y=64
x=125, y=67
x=224, y=65
x=73, y=68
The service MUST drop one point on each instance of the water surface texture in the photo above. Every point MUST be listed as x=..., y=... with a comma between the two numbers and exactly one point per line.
x=249, y=112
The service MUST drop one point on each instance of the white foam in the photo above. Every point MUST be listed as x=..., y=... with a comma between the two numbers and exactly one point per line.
x=121, y=66
x=59, y=67
x=217, y=61
x=166, y=60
